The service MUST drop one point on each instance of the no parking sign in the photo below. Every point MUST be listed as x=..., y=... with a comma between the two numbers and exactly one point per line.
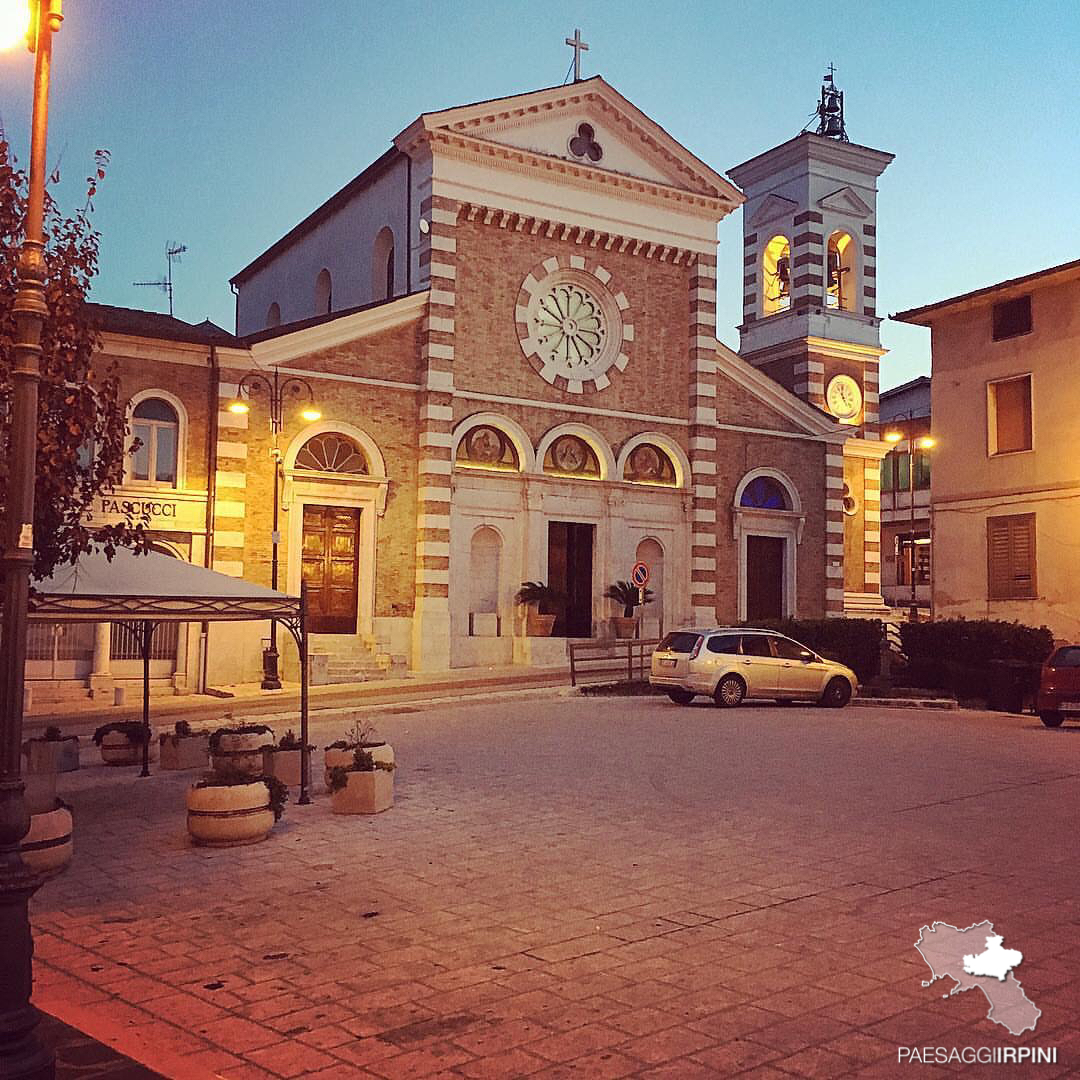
x=639, y=576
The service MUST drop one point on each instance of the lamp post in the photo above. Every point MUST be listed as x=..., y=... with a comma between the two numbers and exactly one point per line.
x=277, y=388
x=21, y=1053
x=924, y=442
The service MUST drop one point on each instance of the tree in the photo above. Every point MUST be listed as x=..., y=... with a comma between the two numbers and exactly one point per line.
x=82, y=426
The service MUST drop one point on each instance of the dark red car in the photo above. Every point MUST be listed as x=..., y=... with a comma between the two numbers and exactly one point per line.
x=1059, y=687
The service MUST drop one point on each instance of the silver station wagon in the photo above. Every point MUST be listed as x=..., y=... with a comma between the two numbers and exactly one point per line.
x=729, y=664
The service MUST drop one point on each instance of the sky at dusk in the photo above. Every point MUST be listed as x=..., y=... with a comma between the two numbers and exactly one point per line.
x=229, y=122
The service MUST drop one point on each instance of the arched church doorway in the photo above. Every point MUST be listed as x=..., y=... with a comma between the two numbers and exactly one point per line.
x=768, y=526
x=651, y=553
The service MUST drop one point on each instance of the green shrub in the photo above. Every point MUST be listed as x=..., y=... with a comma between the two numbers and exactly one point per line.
x=855, y=642
x=975, y=642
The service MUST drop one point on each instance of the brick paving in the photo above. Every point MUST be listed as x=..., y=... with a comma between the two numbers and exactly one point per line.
x=586, y=888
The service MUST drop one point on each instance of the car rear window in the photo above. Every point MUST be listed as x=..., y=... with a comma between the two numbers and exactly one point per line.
x=1068, y=656
x=680, y=641
x=724, y=643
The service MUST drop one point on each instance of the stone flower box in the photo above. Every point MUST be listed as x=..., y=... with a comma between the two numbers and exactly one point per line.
x=52, y=753
x=184, y=748
x=369, y=792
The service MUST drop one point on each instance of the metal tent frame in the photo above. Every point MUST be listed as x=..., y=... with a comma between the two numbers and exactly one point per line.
x=144, y=591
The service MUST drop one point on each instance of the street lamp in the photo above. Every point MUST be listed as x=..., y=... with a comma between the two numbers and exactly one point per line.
x=21, y=1053
x=924, y=442
x=277, y=388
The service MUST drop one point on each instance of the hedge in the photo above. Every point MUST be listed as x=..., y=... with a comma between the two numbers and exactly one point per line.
x=855, y=642
x=976, y=658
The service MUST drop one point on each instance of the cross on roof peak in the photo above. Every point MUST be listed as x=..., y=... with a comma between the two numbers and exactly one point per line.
x=579, y=47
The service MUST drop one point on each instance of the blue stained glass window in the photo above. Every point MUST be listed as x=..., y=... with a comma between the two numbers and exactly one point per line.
x=765, y=493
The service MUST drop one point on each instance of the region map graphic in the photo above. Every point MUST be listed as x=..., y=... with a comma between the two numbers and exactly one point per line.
x=975, y=957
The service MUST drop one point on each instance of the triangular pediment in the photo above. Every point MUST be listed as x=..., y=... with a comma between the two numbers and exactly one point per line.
x=771, y=208
x=590, y=125
x=845, y=201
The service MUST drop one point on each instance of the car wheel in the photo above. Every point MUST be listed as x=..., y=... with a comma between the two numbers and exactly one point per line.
x=837, y=693
x=1052, y=719
x=681, y=697
x=730, y=691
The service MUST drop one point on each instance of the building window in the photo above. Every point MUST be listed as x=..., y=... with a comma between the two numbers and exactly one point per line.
x=157, y=427
x=888, y=473
x=765, y=493
x=332, y=453
x=273, y=316
x=1008, y=408
x=1010, y=544
x=1011, y=318
x=324, y=293
x=922, y=559
x=922, y=471
x=840, y=261
x=382, y=265
x=776, y=276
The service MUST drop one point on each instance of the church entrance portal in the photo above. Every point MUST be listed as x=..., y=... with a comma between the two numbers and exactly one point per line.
x=570, y=573
x=764, y=577
x=330, y=562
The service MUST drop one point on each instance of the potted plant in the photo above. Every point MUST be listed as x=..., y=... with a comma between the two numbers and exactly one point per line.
x=47, y=847
x=536, y=596
x=231, y=808
x=626, y=594
x=183, y=748
x=364, y=786
x=52, y=752
x=122, y=742
x=239, y=748
x=283, y=760
x=361, y=736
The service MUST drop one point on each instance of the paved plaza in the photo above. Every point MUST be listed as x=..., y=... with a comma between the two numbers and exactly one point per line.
x=585, y=887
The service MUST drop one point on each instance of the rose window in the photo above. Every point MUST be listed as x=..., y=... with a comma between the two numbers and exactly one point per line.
x=570, y=327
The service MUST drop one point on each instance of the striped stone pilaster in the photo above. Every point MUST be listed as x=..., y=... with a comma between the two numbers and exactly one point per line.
x=872, y=524
x=871, y=426
x=230, y=504
x=834, y=530
x=807, y=261
x=810, y=380
x=869, y=286
x=751, y=290
x=702, y=439
x=431, y=615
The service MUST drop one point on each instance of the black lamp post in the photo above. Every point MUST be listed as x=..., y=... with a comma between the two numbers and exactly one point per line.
x=277, y=388
x=21, y=1053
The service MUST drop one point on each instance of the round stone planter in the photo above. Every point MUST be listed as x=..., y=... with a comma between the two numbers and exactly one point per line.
x=118, y=749
x=39, y=791
x=47, y=847
x=365, y=793
x=240, y=753
x=379, y=751
x=230, y=815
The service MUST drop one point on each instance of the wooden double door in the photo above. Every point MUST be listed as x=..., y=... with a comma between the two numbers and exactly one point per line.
x=331, y=562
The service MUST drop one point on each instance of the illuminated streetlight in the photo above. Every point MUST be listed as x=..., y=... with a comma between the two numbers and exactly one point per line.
x=15, y=19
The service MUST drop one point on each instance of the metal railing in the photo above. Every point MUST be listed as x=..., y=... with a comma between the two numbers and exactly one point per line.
x=618, y=660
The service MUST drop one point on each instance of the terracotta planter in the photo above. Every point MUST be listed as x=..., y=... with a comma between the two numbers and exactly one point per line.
x=39, y=792
x=284, y=764
x=624, y=627
x=380, y=751
x=537, y=625
x=365, y=793
x=48, y=846
x=241, y=753
x=118, y=749
x=184, y=751
x=230, y=815
x=52, y=755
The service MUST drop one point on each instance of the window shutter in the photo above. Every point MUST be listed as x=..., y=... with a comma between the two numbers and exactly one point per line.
x=1011, y=557
x=1012, y=403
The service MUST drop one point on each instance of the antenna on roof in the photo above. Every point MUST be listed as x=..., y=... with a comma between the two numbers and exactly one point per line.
x=830, y=110
x=173, y=252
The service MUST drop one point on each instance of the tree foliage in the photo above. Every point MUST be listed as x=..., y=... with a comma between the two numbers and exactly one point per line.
x=82, y=427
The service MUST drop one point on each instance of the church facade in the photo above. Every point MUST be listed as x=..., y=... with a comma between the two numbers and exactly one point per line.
x=508, y=326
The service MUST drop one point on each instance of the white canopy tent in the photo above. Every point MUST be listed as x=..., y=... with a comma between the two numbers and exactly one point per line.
x=147, y=589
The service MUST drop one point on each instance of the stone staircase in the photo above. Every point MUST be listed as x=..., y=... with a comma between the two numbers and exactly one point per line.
x=347, y=658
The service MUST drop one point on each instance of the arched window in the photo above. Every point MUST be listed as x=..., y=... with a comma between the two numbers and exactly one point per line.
x=486, y=447
x=382, y=265
x=332, y=453
x=840, y=293
x=776, y=276
x=273, y=315
x=765, y=493
x=157, y=427
x=648, y=464
x=324, y=293
x=570, y=455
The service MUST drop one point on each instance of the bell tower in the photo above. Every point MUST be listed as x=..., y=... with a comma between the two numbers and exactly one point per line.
x=810, y=316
